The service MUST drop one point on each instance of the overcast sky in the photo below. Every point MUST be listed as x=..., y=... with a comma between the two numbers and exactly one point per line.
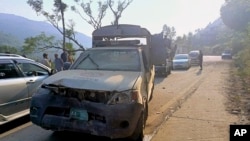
x=185, y=15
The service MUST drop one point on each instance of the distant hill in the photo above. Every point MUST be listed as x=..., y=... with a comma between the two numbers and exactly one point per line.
x=10, y=40
x=18, y=28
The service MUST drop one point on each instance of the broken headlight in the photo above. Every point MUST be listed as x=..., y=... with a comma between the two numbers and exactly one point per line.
x=124, y=97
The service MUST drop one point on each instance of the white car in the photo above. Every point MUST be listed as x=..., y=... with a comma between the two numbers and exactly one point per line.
x=181, y=61
x=19, y=79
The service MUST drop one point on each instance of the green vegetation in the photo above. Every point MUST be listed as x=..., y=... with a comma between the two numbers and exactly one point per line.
x=8, y=43
x=236, y=15
x=57, y=16
x=8, y=49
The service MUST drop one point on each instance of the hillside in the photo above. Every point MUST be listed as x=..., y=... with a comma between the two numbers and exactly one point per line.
x=18, y=28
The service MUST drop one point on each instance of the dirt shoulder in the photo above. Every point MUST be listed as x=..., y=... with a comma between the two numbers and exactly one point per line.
x=208, y=112
x=238, y=94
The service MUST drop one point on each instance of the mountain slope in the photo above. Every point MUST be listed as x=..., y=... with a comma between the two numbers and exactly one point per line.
x=21, y=28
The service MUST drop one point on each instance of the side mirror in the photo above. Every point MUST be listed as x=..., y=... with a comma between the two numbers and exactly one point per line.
x=53, y=71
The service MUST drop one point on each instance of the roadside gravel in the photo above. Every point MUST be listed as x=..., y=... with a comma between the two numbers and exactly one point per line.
x=238, y=94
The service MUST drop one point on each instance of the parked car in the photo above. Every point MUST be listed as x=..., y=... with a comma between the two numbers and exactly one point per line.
x=19, y=79
x=194, y=56
x=226, y=54
x=181, y=61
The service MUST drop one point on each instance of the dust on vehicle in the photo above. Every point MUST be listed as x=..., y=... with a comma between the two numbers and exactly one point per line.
x=105, y=92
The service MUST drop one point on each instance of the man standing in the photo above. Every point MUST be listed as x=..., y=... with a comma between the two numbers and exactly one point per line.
x=64, y=56
x=46, y=61
x=200, y=59
x=58, y=63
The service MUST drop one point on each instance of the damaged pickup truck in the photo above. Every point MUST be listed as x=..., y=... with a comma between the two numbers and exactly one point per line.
x=105, y=92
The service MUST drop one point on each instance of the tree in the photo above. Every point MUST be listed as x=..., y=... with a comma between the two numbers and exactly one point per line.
x=236, y=14
x=96, y=22
x=43, y=42
x=9, y=49
x=56, y=18
x=168, y=32
x=121, y=6
x=39, y=43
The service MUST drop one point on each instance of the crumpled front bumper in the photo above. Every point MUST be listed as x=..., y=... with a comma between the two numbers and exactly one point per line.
x=114, y=121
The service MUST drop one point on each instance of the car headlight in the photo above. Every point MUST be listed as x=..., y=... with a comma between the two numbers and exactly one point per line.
x=41, y=90
x=124, y=97
x=54, y=89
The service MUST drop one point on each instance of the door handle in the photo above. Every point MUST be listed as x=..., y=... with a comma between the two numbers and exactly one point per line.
x=30, y=82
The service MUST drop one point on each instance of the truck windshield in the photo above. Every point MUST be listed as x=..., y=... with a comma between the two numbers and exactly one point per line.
x=110, y=59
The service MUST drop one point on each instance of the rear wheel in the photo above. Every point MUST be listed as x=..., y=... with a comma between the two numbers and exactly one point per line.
x=169, y=70
x=165, y=74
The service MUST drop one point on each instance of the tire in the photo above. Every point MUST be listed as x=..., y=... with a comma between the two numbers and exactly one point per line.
x=138, y=133
x=164, y=74
x=169, y=70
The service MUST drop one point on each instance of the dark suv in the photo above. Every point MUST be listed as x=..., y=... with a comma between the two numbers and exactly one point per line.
x=19, y=78
x=194, y=56
x=226, y=54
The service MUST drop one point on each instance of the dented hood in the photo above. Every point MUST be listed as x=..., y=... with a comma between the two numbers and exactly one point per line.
x=94, y=79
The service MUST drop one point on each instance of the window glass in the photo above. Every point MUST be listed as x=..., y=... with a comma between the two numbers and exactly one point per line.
x=30, y=69
x=8, y=70
x=114, y=60
x=181, y=56
x=194, y=54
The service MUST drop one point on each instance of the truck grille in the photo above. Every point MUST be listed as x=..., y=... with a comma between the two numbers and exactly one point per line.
x=88, y=95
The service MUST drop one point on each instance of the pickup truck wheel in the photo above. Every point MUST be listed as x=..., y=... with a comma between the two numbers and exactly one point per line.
x=169, y=70
x=138, y=133
x=165, y=74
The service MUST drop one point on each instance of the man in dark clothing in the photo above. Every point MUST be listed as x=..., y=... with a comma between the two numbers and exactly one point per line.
x=200, y=59
x=58, y=63
x=64, y=56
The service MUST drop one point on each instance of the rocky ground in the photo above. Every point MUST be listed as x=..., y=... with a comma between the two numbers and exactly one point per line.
x=238, y=92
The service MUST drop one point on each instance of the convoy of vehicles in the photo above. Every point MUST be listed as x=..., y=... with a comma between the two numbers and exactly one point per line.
x=162, y=54
x=19, y=79
x=106, y=90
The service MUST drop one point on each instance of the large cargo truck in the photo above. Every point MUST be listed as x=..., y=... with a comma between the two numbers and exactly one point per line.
x=162, y=54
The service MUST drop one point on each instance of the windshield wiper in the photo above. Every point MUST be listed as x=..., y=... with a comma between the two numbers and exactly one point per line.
x=97, y=66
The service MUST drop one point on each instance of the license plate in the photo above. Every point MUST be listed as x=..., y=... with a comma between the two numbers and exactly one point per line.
x=79, y=114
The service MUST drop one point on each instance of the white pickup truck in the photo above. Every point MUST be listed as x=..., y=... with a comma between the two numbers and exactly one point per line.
x=105, y=92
